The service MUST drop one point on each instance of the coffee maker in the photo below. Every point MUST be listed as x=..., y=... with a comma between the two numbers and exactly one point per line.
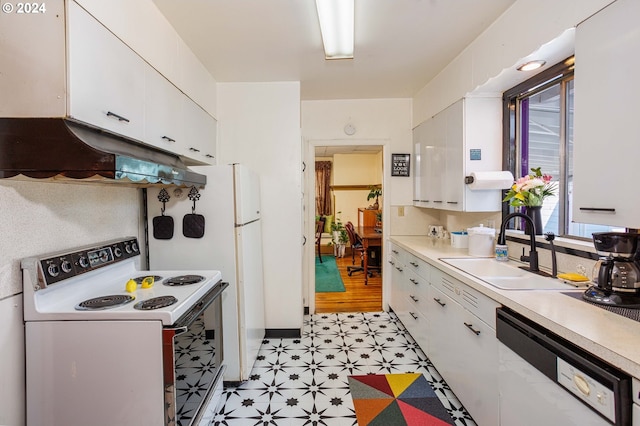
x=617, y=273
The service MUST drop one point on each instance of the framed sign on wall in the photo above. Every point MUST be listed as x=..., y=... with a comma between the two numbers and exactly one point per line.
x=400, y=164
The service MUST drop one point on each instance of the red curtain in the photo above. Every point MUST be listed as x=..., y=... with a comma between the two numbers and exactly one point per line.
x=323, y=181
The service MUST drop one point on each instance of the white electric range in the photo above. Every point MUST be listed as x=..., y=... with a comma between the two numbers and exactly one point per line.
x=99, y=354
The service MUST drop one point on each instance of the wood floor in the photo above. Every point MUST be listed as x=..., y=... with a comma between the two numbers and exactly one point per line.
x=357, y=298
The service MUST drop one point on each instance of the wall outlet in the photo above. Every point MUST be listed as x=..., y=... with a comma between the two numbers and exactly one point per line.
x=400, y=211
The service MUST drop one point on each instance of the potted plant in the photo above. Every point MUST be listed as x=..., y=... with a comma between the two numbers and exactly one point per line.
x=339, y=237
x=374, y=192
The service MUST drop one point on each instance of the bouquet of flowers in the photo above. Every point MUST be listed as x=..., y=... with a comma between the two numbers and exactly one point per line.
x=531, y=190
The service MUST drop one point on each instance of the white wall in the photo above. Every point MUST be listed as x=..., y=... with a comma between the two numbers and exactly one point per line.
x=37, y=218
x=385, y=122
x=260, y=127
x=375, y=120
x=521, y=30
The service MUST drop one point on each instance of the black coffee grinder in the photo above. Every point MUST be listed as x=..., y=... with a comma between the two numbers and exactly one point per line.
x=618, y=271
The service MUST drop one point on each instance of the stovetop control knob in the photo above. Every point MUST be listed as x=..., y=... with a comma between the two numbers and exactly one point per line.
x=53, y=270
x=117, y=252
x=104, y=255
x=66, y=266
x=83, y=261
x=127, y=248
x=134, y=246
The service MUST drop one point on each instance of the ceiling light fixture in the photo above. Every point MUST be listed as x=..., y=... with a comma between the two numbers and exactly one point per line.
x=336, y=25
x=531, y=65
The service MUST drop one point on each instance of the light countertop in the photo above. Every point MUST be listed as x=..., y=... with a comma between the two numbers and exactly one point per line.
x=607, y=335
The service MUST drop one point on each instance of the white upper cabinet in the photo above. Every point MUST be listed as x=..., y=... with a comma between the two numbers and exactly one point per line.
x=607, y=90
x=73, y=66
x=464, y=138
x=106, y=78
x=200, y=130
x=163, y=113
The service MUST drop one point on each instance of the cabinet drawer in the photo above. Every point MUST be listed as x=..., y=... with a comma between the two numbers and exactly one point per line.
x=417, y=288
x=446, y=284
x=398, y=253
x=419, y=266
x=416, y=324
x=480, y=305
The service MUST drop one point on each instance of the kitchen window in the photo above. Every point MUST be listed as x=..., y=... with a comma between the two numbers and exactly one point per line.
x=538, y=132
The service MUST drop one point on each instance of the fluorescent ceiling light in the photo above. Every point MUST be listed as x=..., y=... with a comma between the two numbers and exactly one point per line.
x=336, y=25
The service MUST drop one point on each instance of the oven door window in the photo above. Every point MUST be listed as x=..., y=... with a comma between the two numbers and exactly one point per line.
x=197, y=356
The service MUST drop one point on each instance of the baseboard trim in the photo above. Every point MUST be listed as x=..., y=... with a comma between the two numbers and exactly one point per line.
x=282, y=333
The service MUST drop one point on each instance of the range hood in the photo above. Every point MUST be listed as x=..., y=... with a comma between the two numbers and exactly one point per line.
x=61, y=149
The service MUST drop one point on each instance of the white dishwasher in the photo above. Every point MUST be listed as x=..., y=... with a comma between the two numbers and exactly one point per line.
x=546, y=380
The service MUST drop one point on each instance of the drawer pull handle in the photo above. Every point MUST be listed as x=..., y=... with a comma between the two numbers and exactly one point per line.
x=395, y=251
x=210, y=156
x=414, y=264
x=438, y=201
x=391, y=262
x=597, y=209
x=470, y=327
x=399, y=268
x=415, y=317
x=439, y=302
x=413, y=298
x=413, y=281
x=194, y=149
x=452, y=202
x=168, y=139
x=119, y=117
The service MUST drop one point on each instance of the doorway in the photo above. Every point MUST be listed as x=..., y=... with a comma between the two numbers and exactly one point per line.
x=355, y=170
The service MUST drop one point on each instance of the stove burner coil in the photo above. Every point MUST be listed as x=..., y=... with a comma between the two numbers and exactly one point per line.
x=104, y=302
x=138, y=280
x=155, y=303
x=183, y=280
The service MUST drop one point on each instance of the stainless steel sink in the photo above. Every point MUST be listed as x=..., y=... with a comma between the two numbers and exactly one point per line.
x=504, y=275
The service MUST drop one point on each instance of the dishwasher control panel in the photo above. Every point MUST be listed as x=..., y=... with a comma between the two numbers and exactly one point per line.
x=592, y=392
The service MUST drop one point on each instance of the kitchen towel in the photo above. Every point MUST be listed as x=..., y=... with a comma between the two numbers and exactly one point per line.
x=491, y=180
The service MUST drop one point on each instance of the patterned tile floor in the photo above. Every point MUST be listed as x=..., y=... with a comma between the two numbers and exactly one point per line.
x=304, y=381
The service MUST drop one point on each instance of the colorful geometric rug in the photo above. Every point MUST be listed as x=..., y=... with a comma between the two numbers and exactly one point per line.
x=396, y=399
x=328, y=277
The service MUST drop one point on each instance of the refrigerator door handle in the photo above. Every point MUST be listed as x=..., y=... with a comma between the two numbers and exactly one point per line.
x=240, y=225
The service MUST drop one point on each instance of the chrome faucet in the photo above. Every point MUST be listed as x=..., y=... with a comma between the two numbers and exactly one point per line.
x=533, y=253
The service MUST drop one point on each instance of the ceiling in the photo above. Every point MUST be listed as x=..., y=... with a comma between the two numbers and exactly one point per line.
x=400, y=45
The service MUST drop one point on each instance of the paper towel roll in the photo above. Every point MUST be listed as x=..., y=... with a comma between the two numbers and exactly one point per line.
x=491, y=180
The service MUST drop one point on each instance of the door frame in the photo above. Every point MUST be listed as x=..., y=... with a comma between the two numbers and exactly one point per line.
x=308, y=212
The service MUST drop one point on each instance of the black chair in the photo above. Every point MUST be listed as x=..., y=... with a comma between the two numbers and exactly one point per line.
x=357, y=246
x=319, y=230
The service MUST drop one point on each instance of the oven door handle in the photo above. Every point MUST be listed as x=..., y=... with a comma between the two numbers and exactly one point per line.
x=173, y=332
x=207, y=299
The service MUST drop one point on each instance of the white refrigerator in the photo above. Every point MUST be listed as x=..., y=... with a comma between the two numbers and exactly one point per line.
x=232, y=244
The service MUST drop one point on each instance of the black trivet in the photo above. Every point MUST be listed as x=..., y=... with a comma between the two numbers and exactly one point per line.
x=633, y=314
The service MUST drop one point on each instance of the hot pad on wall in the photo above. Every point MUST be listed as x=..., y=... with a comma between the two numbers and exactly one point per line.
x=192, y=223
x=163, y=225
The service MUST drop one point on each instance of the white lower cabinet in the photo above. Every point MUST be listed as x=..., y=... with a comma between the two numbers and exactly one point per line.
x=416, y=302
x=463, y=345
x=409, y=283
x=454, y=325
